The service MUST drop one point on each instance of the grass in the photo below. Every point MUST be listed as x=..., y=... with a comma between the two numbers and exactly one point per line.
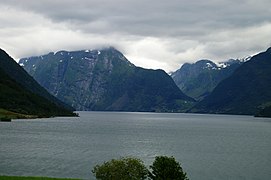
x=12, y=115
x=31, y=178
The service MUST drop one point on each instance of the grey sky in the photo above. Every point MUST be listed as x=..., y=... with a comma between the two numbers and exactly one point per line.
x=151, y=33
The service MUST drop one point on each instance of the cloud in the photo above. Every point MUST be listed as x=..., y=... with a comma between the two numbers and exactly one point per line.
x=153, y=34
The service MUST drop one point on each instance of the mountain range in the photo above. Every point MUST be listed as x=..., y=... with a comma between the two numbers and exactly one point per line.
x=20, y=94
x=246, y=91
x=105, y=80
x=198, y=79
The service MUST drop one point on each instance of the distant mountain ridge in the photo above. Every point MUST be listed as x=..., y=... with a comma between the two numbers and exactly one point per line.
x=105, y=80
x=246, y=91
x=199, y=79
x=20, y=93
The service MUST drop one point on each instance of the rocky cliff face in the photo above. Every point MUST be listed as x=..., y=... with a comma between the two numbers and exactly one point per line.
x=199, y=79
x=105, y=80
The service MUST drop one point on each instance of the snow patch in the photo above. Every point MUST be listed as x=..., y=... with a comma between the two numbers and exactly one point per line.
x=245, y=59
x=21, y=64
x=209, y=65
x=221, y=65
x=61, y=61
x=88, y=59
x=87, y=51
x=216, y=66
x=99, y=52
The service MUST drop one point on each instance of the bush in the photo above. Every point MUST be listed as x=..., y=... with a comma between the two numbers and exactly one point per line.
x=164, y=168
x=121, y=169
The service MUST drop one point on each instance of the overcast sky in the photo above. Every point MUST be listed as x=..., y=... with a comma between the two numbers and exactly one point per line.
x=150, y=33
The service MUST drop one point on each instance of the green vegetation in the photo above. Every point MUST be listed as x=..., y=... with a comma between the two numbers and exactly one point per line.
x=22, y=97
x=244, y=91
x=31, y=178
x=17, y=99
x=105, y=81
x=124, y=168
x=5, y=115
x=198, y=80
x=12, y=115
x=163, y=168
x=20, y=76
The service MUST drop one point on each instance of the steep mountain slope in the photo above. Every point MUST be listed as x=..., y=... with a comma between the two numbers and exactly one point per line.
x=244, y=92
x=198, y=80
x=105, y=80
x=13, y=70
x=17, y=92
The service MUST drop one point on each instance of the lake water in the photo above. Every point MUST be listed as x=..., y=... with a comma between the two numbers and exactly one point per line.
x=209, y=147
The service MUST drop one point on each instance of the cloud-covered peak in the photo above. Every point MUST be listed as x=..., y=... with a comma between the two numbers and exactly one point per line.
x=153, y=34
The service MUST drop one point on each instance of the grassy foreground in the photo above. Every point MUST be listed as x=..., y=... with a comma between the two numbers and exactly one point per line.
x=31, y=178
x=12, y=115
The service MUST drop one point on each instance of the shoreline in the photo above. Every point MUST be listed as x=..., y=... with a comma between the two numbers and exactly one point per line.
x=4, y=177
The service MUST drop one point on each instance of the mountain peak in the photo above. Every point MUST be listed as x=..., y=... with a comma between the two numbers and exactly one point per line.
x=92, y=56
x=104, y=79
x=198, y=79
x=244, y=92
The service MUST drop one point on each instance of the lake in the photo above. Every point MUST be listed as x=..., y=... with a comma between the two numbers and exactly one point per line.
x=208, y=147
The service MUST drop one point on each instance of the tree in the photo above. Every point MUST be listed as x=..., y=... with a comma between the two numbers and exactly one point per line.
x=121, y=169
x=164, y=168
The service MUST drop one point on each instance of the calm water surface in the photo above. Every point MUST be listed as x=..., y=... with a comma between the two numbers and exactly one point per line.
x=208, y=146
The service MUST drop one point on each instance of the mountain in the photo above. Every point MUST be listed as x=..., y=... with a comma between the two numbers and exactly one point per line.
x=105, y=80
x=198, y=80
x=20, y=93
x=246, y=91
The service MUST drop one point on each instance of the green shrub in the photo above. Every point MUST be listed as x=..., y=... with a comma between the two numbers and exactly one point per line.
x=163, y=168
x=166, y=168
x=121, y=169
